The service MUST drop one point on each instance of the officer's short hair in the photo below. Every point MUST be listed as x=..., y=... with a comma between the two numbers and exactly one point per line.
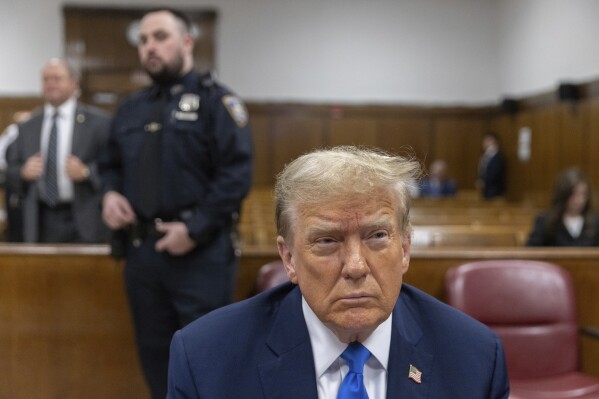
x=179, y=15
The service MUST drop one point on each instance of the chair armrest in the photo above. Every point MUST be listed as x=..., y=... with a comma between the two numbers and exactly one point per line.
x=593, y=332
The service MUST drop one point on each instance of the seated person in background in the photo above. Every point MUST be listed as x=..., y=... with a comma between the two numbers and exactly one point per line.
x=438, y=184
x=570, y=221
x=341, y=325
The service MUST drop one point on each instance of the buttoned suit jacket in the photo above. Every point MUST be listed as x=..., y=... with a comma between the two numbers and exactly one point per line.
x=260, y=349
x=494, y=176
x=90, y=134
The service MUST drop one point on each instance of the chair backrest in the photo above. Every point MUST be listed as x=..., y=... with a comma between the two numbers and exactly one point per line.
x=270, y=275
x=529, y=304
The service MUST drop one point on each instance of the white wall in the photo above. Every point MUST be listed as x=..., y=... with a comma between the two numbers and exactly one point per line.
x=545, y=42
x=356, y=51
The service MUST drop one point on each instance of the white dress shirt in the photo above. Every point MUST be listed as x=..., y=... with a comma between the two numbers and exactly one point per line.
x=331, y=368
x=64, y=124
x=9, y=135
x=574, y=225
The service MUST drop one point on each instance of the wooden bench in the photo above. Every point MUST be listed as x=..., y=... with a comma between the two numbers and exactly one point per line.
x=469, y=236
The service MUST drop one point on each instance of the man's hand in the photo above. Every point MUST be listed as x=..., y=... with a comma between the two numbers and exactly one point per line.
x=76, y=169
x=117, y=211
x=33, y=168
x=176, y=240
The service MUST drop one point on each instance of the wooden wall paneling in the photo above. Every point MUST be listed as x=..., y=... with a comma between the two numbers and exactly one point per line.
x=573, y=117
x=408, y=136
x=545, y=148
x=506, y=127
x=592, y=144
x=10, y=105
x=352, y=131
x=97, y=45
x=521, y=179
x=458, y=142
x=294, y=135
x=263, y=150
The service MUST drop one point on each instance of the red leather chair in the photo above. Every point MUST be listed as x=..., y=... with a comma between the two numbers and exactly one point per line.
x=270, y=275
x=531, y=306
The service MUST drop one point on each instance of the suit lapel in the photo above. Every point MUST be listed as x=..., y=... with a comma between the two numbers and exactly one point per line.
x=404, y=351
x=78, y=141
x=36, y=134
x=291, y=375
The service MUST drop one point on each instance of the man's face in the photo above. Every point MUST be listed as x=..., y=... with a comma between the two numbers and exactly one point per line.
x=58, y=84
x=163, y=46
x=348, y=258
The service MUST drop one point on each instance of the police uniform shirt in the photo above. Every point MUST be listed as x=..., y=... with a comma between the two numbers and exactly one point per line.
x=206, y=163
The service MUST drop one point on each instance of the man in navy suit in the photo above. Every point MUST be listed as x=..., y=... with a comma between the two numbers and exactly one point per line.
x=491, y=168
x=344, y=238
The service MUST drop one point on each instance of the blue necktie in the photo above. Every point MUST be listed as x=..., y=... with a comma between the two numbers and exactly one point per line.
x=352, y=386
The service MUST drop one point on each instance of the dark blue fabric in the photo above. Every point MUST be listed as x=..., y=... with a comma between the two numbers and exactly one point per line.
x=260, y=348
x=203, y=172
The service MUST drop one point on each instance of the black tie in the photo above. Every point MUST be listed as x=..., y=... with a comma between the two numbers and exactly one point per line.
x=149, y=173
x=51, y=174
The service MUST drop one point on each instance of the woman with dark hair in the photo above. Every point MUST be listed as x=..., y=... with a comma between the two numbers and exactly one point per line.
x=570, y=221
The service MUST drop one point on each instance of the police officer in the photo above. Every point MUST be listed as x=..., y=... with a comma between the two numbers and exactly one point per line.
x=178, y=165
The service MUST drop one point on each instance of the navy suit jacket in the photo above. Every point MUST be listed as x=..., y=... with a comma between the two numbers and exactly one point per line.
x=494, y=177
x=260, y=348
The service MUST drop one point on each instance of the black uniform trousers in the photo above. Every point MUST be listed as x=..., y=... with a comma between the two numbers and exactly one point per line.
x=167, y=292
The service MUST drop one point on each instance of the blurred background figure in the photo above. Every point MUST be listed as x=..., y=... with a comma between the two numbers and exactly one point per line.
x=438, y=183
x=570, y=221
x=491, y=168
x=52, y=163
x=12, y=197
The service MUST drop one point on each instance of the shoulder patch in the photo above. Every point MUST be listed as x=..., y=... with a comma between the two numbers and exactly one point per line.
x=236, y=109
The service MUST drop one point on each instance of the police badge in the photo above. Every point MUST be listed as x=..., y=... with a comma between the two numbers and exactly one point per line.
x=189, y=102
x=236, y=109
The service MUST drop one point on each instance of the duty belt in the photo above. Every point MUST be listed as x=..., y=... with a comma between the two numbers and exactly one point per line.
x=142, y=230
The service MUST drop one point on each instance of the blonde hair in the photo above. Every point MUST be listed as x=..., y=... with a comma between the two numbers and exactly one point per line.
x=344, y=172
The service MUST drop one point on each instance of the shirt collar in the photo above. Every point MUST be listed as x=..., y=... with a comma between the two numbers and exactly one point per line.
x=491, y=150
x=185, y=83
x=326, y=348
x=65, y=109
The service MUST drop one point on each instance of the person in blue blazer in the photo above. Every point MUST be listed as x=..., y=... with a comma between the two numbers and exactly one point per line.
x=344, y=238
x=438, y=184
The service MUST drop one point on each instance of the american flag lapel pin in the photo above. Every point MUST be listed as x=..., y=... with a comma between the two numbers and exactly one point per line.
x=415, y=375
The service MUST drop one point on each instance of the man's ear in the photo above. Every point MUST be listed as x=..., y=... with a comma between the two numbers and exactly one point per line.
x=287, y=257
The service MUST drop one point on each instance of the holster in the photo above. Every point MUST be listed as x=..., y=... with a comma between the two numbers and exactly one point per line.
x=118, y=244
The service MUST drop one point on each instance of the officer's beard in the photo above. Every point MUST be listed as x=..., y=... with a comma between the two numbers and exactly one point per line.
x=168, y=72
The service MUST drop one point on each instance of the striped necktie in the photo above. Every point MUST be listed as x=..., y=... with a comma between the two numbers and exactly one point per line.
x=51, y=170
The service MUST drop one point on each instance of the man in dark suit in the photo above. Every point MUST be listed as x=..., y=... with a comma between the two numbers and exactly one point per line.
x=340, y=324
x=52, y=163
x=491, y=168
